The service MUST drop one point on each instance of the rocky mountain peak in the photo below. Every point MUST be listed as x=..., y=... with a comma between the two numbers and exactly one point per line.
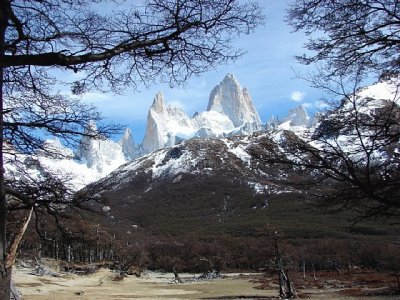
x=165, y=125
x=127, y=135
x=101, y=154
x=298, y=117
x=127, y=143
x=230, y=79
x=230, y=112
x=158, y=103
x=230, y=99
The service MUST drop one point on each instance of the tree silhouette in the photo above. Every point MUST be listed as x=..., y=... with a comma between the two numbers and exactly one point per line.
x=349, y=35
x=352, y=154
x=167, y=40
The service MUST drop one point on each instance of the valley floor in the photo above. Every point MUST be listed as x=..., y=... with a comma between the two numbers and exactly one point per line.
x=151, y=285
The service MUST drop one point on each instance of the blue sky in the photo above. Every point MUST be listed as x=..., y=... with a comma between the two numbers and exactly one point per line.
x=267, y=70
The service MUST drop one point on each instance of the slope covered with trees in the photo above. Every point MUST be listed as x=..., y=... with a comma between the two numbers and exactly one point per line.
x=164, y=40
x=355, y=147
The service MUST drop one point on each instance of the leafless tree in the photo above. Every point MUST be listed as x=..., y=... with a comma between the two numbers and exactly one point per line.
x=167, y=40
x=352, y=156
x=349, y=34
x=280, y=264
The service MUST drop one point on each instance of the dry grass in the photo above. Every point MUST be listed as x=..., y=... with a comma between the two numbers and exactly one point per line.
x=361, y=283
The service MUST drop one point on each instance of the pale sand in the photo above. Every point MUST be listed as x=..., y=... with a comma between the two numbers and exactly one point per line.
x=150, y=286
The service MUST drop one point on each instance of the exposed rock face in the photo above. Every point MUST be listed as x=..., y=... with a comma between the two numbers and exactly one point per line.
x=152, y=139
x=230, y=99
x=230, y=112
x=298, y=117
x=272, y=123
x=102, y=155
x=165, y=124
x=56, y=149
x=129, y=148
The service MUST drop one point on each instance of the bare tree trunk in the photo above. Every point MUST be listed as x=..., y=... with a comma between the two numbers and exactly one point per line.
x=7, y=289
x=5, y=283
x=336, y=267
x=5, y=273
x=313, y=268
x=177, y=278
x=286, y=287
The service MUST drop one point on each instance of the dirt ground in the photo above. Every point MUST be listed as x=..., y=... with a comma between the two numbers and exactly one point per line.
x=100, y=285
x=151, y=285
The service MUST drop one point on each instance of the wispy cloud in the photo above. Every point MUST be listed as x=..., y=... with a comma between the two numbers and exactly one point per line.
x=297, y=96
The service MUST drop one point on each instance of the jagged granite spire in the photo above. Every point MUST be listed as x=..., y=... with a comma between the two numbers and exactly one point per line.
x=230, y=99
x=129, y=148
x=230, y=112
x=151, y=139
x=165, y=125
x=158, y=103
x=101, y=154
x=298, y=117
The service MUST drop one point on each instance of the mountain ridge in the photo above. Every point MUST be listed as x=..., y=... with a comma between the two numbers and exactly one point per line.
x=211, y=182
x=230, y=111
x=167, y=125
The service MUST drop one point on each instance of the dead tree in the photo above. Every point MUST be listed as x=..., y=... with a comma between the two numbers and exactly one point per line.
x=286, y=287
x=176, y=274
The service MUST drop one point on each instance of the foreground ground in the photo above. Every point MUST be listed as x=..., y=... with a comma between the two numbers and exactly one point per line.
x=150, y=286
x=102, y=285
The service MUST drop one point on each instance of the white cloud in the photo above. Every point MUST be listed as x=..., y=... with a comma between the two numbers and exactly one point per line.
x=297, y=96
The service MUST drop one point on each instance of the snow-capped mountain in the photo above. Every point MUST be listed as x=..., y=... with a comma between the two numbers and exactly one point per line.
x=102, y=155
x=297, y=121
x=230, y=111
x=230, y=177
x=202, y=179
x=207, y=178
x=129, y=148
x=364, y=123
x=93, y=160
x=298, y=117
x=241, y=155
x=165, y=124
x=63, y=164
x=229, y=99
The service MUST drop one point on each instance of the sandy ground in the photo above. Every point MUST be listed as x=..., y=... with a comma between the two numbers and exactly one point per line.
x=150, y=286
